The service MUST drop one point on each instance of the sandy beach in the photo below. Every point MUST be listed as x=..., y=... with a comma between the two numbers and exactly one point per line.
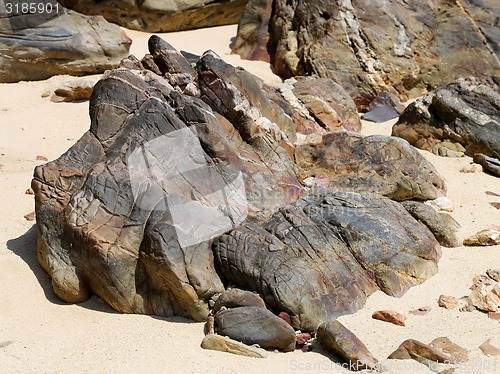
x=41, y=334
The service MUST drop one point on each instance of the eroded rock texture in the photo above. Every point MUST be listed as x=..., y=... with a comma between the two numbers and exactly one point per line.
x=462, y=116
x=187, y=182
x=368, y=45
x=323, y=255
x=163, y=15
x=71, y=44
x=380, y=164
x=128, y=212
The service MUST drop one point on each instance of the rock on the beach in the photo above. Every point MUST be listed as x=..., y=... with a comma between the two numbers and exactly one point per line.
x=493, y=274
x=483, y=298
x=339, y=340
x=162, y=15
x=256, y=325
x=367, y=46
x=420, y=352
x=445, y=345
x=225, y=344
x=486, y=237
x=75, y=90
x=422, y=311
x=390, y=316
x=447, y=302
x=393, y=168
x=234, y=298
x=71, y=44
x=490, y=164
x=129, y=211
x=489, y=349
x=459, y=117
x=384, y=107
x=442, y=225
x=321, y=256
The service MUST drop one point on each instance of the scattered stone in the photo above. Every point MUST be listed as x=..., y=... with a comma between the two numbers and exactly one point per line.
x=494, y=315
x=490, y=193
x=489, y=349
x=420, y=352
x=70, y=43
x=41, y=158
x=30, y=216
x=448, y=302
x=495, y=205
x=486, y=237
x=337, y=339
x=390, y=316
x=493, y=274
x=467, y=308
x=481, y=280
x=460, y=112
x=256, y=325
x=285, y=317
x=442, y=203
x=472, y=168
x=445, y=345
x=303, y=338
x=483, y=298
x=384, y=107
x=76, y=90
x=422, y=311
x=225, y=344
x=490, y=164
x=234, y=298
x=29, y=191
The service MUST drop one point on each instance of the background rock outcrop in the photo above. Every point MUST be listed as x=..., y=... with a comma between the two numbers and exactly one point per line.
x=162, y=15
x=71, y=44
x=367, y=46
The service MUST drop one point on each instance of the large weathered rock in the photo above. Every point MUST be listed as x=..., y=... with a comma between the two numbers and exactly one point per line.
x=162, y=15
x=379, y=164
x=68, y=44
x=368, y=45
x=129, y=211
x=234, y=298
x=339, y=340
x=256, y=325
x=323, y=255
x=465, y=113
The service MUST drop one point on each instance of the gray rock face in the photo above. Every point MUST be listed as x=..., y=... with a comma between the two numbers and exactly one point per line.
x=462, y=116
x=378, y=164
x=339, y=340
x=255, y=325
x=71, y=44
x=162, y=15
x=367, y=45
x=323, y=255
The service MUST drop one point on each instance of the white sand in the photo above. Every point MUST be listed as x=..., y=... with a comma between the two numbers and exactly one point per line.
x=49, y=336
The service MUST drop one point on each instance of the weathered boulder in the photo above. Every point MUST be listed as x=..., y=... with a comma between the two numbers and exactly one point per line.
x=377, y=163
x=234, y=298
x=129, y=211
x=256, y=325
x=390, y=316
x=339, y=340
x=220, y=343
x=321, y=256
x=442, y=225
x=71, y=44
x=162, y=15
x=428, y=354
x=367, y=46
x=463, y=116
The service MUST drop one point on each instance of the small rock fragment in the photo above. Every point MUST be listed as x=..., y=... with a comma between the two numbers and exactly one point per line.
x=493, y=274
x=41, y=158
x=30, y=216
x=76, y=90
x=5, y=343
x=390, y=316
x=303, y=338
x=495, y=205
x=337, y=339
x=445, y=345
x=489, y=349
x=29, y=191
x=422, y=311
x=234, y=298
x=442, y=203
x=467, y=308
x=448, y=302
x=484, y=299
x=486, y=237
x=494, y=315
x=472, y=168
x=480, y=280
x=418, y=351
x=225, y=344
x=285, y=317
